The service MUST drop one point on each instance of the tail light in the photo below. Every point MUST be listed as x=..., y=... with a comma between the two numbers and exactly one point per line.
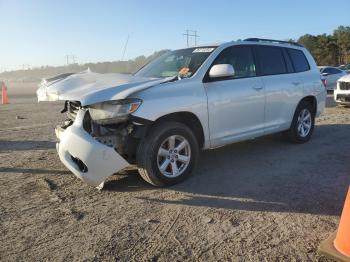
x=324, y=82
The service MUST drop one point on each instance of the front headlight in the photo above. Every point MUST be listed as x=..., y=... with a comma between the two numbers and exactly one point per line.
x=113, y=111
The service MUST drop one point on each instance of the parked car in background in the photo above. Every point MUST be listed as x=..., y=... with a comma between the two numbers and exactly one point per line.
x=182, y=102
x=342, y=92
x=345, y=68
x=330, y=76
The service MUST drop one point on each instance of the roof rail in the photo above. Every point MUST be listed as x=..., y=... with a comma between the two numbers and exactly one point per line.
x=272, y=41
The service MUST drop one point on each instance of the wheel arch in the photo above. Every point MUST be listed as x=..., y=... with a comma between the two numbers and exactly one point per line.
x=187, y=118
x=312, y=100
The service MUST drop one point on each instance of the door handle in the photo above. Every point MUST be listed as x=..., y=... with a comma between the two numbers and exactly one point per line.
x=257, y=88
x=296, y=83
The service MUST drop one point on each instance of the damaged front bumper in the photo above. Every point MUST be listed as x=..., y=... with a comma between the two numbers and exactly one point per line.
x=87, y=158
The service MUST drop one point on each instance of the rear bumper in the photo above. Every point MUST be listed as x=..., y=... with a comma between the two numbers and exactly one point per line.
x=88, y=159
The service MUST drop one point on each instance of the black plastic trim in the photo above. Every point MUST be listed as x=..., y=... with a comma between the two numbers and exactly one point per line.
x=272, y=41
x=140, y=120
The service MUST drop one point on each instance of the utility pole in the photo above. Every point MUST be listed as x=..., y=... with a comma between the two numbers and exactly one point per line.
x=191, y=33
x=70, y=58
x=25, y=66
x=195, y=37
x=187, y=36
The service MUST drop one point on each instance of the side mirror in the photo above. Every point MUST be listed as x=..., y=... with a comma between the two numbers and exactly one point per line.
x=325, y=74
x=221, y=70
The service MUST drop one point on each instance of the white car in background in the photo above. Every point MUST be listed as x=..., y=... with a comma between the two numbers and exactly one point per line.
x=184, y=101
x=330, y=75
x=342, y=92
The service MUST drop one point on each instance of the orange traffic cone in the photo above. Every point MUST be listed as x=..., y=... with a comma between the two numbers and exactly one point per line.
x=342, y=240
x=5, y=98
x=337, y=246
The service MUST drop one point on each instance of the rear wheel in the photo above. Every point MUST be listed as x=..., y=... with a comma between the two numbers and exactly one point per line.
x=168, y=154
x=303, y=123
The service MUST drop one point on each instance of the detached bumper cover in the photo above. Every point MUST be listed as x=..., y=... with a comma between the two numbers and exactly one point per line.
x=87, y=158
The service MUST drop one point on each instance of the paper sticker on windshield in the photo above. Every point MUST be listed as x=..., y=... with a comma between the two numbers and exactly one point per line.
x=203, y=50
x=184, y=71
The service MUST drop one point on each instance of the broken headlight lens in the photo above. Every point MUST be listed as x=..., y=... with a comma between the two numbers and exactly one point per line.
x=113, y=111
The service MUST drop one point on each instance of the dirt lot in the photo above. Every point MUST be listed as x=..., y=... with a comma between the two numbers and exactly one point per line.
x=261, y=200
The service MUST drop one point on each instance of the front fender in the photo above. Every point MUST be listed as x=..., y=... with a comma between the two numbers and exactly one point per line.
x=181, y=96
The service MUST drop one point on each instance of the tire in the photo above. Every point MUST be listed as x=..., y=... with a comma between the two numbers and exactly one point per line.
x=295, y=133
x=150, y=160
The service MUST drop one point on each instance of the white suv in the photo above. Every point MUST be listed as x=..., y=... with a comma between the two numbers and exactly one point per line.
x=184, y=101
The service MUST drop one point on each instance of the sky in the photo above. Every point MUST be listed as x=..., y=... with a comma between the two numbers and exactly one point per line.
x=42, y=32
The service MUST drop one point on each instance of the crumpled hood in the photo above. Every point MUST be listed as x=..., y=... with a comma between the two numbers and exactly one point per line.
x=90, y=88
x=345, y=78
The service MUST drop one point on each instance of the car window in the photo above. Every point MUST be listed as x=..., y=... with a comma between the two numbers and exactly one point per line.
x=335, y=71
x=241, y=58
x=331, y=71
x=271, y=60
x=326, y=70
x=183, y=63
x=289, y=64
x=299, y=60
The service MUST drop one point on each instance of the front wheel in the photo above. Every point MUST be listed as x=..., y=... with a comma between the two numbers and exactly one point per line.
x=168, y=154
x=303, y=124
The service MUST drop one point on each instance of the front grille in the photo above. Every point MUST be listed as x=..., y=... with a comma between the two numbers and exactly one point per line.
x=343, y=98
x=344, y=85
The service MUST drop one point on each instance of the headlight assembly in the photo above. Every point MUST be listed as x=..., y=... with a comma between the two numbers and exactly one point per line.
x=113, y=111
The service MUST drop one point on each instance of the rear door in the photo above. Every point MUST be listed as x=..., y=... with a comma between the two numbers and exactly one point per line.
x=236, y=105
x=283, y=88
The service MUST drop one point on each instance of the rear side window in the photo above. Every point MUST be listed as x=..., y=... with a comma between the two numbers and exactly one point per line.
x=271, y=60
x=299, y=60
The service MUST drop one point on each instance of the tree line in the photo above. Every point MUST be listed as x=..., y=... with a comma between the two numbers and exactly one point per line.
x=36, y=74
x=332, y=49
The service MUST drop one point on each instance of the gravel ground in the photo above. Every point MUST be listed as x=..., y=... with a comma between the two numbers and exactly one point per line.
x=260, y=200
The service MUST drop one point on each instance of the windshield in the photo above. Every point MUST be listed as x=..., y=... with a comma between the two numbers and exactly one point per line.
x=183, y=63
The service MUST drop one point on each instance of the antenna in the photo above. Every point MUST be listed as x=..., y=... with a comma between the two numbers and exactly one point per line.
x=125, y=46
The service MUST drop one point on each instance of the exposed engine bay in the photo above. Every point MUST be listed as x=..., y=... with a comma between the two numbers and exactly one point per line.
x=123, y=136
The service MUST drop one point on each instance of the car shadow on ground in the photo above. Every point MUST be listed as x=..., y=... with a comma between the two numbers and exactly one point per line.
x=268, y=174
x=24, y=145
x=127, y=181
x=32, y=171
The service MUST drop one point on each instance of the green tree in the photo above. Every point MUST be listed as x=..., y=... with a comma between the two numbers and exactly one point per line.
x=324, y=48
x=342, y=35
